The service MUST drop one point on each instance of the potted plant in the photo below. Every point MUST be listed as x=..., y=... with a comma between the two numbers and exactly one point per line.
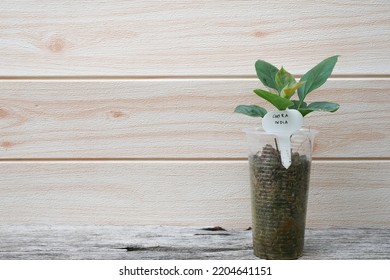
x=280, y=158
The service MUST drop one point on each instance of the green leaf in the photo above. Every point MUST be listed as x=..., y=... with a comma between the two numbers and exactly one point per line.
x=324, y=106
x=279, y=102
x=284, y=79
x=296, y=105
x=319, y=106
x=266, y=72
x=304, y=111
x=251, y=110
x=301, y=107
x=317, y=76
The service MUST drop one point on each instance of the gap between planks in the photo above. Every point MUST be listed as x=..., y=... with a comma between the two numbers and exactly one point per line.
x=177, y=77
x=330, y=159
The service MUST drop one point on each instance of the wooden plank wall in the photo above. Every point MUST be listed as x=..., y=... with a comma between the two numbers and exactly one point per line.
x=120, y=112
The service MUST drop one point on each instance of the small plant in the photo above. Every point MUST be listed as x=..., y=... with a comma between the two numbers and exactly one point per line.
x=280, y=171
x=284, y=86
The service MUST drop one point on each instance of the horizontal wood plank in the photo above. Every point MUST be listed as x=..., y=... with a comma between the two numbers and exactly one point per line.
x=343, y=193
x=164, y=118
x=143, y=38
x=43, y=242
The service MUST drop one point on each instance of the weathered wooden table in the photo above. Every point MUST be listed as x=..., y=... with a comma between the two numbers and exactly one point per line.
x=162, y=242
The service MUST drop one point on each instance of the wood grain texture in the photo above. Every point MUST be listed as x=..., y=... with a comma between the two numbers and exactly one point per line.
x=164, y=118
x=92, y=91
x=343, y=193
x=143, y=38
x=40, y=242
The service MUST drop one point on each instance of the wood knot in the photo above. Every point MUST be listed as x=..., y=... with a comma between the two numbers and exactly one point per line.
x=56, y=44
x=117, y=114
x=3, y=113
x=260, y=34
x=7, y=144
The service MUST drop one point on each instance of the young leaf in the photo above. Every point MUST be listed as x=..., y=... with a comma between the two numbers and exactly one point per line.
x=251, y=110
x=288, y=92
x=284, y=79
x=266, y=73
x=279, y=102
x=324, y=106
x=317, y=76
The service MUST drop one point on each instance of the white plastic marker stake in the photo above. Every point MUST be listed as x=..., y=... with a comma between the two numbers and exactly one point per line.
x=283, y=124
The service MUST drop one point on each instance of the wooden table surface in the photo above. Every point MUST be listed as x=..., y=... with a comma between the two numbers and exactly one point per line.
x=167, y=242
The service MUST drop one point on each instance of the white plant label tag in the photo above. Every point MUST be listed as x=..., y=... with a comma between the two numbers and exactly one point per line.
x=283, y=124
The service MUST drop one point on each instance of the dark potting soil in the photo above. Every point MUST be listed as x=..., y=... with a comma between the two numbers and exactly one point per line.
x=279, y=201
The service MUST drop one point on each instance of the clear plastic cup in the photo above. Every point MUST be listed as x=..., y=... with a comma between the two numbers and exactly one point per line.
x=279, y=195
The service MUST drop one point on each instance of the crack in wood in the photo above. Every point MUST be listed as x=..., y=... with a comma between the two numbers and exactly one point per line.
x=216, y=228
x=212, y=234
x=181, y=249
